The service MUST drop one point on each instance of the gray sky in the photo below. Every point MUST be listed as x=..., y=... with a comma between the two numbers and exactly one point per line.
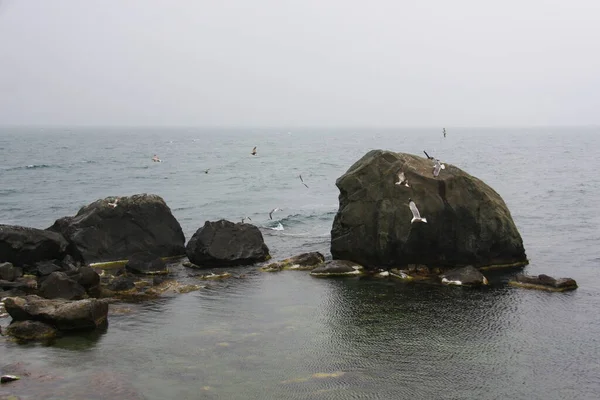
x=300, y=63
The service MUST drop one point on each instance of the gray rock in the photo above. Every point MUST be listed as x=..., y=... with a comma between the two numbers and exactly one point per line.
x=64, y=315
x=544, y=282
x=138, y=223
x=337, y=268
x=465, y=276
x=468, y=223
x=59, y=286
x=21, y=245
x=223, y=243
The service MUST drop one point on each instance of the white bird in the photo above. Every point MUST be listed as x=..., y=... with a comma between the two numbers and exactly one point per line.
x=437, y=167
x=402, y=179
x=206, y=170
x=114, y=203
x=415, y=212
x=253, y=151
x=272, y=211
x=300, y=176
x=156, y=159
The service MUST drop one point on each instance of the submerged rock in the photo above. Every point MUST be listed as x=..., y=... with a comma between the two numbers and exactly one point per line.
x=31, y=330
x=223, y=244
x=139, y=223
x=147, y=264
x=465, y=276
x=64, y=315
x=544, y=282
x=468, y=223
x=25, y=246
x=304, y=262
x=337, y=268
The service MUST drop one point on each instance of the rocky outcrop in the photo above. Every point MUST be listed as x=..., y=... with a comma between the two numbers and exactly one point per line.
x=31, y=330
x=544, y=282
x=337, y=268
x=64, y=315
x=465, y=276
x=468, y=223
x=147, y=264
x=25, y=246
x=301, y=262
x=224, y=243
x=100, y=232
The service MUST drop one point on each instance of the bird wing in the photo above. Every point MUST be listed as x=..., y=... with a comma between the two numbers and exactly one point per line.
x=427, y=155
x=305, y=184
x=300, y=176
x=413, y=208
x=271, y=213
x=401, y=177
x=254, y=149
x=436, y=169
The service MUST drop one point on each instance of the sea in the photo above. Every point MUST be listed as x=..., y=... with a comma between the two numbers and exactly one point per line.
x=289, y=335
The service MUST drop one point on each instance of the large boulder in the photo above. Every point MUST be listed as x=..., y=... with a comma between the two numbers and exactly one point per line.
x=23, y=246
x=62, y=314
x=468, y=223
x=112, y=229
x=224, y=243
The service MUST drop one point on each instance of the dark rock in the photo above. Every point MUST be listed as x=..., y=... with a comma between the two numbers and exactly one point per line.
x=544, y=282
x=62, y=314
x=59, y=286
x=20, y=245
x=69, y=263
x=121, y=284
x=465, y=276
x=223, y=243
x=8, y=272
x=468, y=223
x=146, y=263
x=19, y=283
x=45, y=268
x=337, y=268
x=138, y=223
x=85, y=276
x=12, y=293
x=31, y=330
x=304, y=261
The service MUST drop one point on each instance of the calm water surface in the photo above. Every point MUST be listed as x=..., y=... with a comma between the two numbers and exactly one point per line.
x=289, y=335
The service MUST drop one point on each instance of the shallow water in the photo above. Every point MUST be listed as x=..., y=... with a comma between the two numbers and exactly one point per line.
x=290, y=335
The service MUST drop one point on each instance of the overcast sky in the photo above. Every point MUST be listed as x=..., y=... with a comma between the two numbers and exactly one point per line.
x=300, y=63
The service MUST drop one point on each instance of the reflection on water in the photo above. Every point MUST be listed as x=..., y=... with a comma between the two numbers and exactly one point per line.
x=289, y=335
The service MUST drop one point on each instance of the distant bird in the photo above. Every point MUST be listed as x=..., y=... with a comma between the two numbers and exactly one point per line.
x=272, y=211
x=253, y=151
x=427, y=155
x=156, y=159
x=402, y=179
x=444, y=132
x=246, y=218
x=114, y=203
x=206, y=170
x=437, y=167
x=415, y=212
x=300, y=176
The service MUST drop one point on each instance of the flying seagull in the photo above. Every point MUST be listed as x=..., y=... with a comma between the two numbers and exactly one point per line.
x=437, y=167
x=253, y=151
x=206, y=170
x=415, y=212
x=444, y=132
x=427, y=155
x=272, y=211
x=402, y=179
x=300, y=176
x=246, y=218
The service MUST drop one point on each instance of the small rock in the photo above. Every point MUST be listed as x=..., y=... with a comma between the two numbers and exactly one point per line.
x=59, y=286
x=121, y=284
x=146, y=263
x=337, y=268
x=544, y=282
x=465, y=276
x=31, y=330
x=9, y=273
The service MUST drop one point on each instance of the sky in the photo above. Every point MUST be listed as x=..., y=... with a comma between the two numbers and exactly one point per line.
x=380, y=63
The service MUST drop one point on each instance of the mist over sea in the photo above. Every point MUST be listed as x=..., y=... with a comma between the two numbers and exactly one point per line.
x=289, y=335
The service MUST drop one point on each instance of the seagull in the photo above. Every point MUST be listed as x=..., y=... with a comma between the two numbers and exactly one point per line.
x=114, y=203
x=246, y=218
x=444, y=132
x=253, y=151
x=437, y=167
x=402, y=179
x=415, y=212
x=427, y=155
x=206, y=170
x=156, y=159
x=300, y=176
x=272, y=211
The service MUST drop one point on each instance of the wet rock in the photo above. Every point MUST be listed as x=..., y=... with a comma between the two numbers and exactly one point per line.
x=86, y=277
x=544, y=282
x=337, y=268
x=223, y=243
x=465, y=276
x=45, y=268
x=59, y=286
x=147, y=264
x=214, y=276
x=8, y=272
x=138, y=223
x=468, y=223
x=21, y=245
x=31, y=331
x=64, y=315
x=121, y=283
x=304, y=262
x=23, y=283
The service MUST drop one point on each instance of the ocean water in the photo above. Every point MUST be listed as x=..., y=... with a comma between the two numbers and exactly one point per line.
x=289, y=335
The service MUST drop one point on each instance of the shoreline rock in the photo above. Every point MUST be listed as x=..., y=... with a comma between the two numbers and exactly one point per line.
x=544, y=282
x=301, y=262
x=21, y=245
x=337, y=268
